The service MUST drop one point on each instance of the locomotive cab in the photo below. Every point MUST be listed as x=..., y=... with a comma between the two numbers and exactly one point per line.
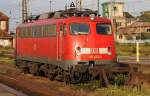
x=90, y=42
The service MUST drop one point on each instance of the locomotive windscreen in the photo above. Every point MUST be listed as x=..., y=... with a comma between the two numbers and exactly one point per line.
x=79, y=28
x=104, y=29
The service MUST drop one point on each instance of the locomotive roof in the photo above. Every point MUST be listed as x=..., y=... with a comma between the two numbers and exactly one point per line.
x=72, y=19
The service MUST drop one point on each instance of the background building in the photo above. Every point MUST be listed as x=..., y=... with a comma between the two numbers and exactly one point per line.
x=5, y=38
x=115, y=11
x=136, y=31
x=145, y=16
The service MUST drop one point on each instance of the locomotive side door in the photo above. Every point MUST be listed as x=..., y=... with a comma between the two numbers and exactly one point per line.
x=60, y=42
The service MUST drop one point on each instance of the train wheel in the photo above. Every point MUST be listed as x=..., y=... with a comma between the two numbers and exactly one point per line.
x=22, y=65
x=67, y=78
x=33, y=69
x=52, y=72
x=43, y=70
x=86, y=76
x=51, y=75
x=77, y=76
x=59, y=74
x=17, y=63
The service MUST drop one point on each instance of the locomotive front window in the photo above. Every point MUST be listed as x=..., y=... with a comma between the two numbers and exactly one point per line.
x=79, y=28
x=104, y=29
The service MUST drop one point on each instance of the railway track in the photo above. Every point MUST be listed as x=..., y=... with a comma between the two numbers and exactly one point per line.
x=141, y=66
x=17, y=84
x=139, y=71
x=31, y=85
x=8, y=91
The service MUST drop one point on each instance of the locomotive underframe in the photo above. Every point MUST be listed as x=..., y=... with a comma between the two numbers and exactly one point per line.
x=65, y=64
x=70, y=71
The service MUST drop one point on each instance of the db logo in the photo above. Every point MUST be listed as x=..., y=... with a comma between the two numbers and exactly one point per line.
x=94, y=50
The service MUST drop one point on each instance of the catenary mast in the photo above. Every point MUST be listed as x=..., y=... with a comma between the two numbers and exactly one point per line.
x=24, y=11
x=79, y=4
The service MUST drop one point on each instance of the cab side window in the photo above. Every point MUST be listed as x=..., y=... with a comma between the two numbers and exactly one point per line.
x=64, y=29
x=61, y=27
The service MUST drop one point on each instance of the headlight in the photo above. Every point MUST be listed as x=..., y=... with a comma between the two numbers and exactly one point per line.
x=109, y=53
x=92, y=17
x=77, y=51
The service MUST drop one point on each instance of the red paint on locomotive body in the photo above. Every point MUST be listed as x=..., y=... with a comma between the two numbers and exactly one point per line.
x=67, y=45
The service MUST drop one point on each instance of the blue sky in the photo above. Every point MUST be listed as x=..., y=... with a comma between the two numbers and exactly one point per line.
x=13, y=7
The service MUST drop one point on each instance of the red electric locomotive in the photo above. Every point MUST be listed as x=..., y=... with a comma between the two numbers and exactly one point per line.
x=65, y=48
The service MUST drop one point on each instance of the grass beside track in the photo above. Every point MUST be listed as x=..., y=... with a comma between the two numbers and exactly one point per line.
x=6, y=49
x=130, y=49
x=112, y=91
x=120, y=91
x=6, y=55
x=6, y=60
